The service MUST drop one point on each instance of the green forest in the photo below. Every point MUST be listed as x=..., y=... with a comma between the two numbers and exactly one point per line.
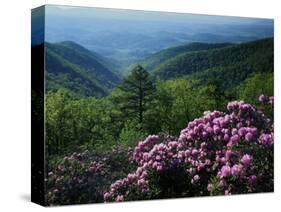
x=91, y=106
x=99, y=110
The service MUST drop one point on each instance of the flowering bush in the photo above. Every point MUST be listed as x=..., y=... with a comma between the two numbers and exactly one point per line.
x=83, y=177
x=76, y=174
x=219, y=153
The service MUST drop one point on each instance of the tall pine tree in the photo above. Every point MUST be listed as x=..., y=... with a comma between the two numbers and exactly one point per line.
x=137, y=91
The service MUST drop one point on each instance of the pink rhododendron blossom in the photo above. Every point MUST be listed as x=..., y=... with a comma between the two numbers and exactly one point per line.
x=249, y=136
x=225, y=171
x=246, y=159
x=261, y=98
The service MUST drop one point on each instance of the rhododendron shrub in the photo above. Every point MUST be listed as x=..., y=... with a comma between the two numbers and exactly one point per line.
x=83, y=177
x=220, y=153
x=75, y=180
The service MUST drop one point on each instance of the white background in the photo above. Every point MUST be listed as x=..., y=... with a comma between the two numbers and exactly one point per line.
x=15, y=104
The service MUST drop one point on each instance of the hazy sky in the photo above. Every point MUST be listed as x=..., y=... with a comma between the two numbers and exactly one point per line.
x=138, y=15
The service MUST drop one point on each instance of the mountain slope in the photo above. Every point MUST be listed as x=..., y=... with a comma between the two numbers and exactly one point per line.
x=71, y=66
x=229, y=64
x=152, y=61
x=107, y=63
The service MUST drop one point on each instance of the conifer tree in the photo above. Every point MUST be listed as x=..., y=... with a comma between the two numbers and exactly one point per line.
x=137, y=91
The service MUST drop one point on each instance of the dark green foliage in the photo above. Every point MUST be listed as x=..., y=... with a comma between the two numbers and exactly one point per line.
x=213, y=95
x=229, y=65
x=73, y=67
x=173, y=183
x=136, y=93
x=152, y=61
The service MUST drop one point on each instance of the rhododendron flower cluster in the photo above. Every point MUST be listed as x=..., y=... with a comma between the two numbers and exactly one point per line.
x=262, y=100
x=220, y=153
x=83, y=177
x=73, y=174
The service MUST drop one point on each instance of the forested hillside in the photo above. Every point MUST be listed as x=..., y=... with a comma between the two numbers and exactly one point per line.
x=71, y=66
x=229, y=65
x=153, y=60
x=86, y=73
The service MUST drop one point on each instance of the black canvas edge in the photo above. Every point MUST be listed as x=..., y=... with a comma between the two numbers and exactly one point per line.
x=38, y=186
